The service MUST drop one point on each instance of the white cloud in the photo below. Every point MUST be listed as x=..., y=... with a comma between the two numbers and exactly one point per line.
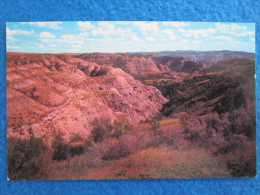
x=147, y=26
x=12, y=47
x=73, y=40
x=184, y=40
x=46, y=35
x=176, y=24
x=85, y=26
x=84, y=34
x=123, y=22
x=234, y=29
x=124, y=36
x=196, y=41
x=135, y=38
x=18, y=32
x=9, y=38
x=69, y=37
x=229, y=27
x=169, y=34
x=38, y=45
x=197, y=33
x=52, y=25
x=106, y=25
x=101, y=31
x=10, y=33
x=247, y=33
x=151, y=39
x=224, y=38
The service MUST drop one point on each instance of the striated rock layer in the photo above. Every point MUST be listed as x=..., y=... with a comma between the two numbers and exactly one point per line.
x=51, y=93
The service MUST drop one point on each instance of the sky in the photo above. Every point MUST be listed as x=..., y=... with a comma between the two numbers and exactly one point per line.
x=128, y=36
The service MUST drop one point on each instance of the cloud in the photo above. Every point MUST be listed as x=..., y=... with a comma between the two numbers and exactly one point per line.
x=230, y=27
x=147, y=26
x=101, y=31
x=124, y=36
x=169, y=34
x=198, y=33
x=18, y=32
x=69, y=37
x=10, y=33
x=106, y=30
x=123, y=22
x=46, y=35
x=52, y=25
x=223, y=38
x=196, y=41
x=135, y=38
x=12, y=47
x=106, y=25
x=247, y=33
x=151, y=39
x=84, y=34
x=85, y=26
x=234, y=29
x=73, y=40
x=176, y=24
x=38, y=45
x=184, y=40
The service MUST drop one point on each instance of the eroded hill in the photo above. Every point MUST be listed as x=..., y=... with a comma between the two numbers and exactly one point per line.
x=119, y=116
x=48, y=92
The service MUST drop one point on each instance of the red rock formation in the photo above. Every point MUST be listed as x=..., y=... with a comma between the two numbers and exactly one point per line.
x=60, y=92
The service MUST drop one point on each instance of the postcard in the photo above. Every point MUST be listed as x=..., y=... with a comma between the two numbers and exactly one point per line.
x=92, y=100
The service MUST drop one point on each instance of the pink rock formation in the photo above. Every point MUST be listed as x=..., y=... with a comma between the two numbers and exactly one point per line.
x=60, y=92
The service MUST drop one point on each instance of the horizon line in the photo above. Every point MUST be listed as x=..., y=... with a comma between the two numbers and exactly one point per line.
x=128, y=52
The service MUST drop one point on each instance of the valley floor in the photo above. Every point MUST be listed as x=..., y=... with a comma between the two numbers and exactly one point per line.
x=164, y=153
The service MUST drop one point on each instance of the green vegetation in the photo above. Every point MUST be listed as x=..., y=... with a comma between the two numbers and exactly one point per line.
x=206, y=169
x=121, y=126
x=27, y=158
x=102, y=128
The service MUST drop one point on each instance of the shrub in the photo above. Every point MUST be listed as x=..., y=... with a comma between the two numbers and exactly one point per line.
x=27, y=158
x=242, y=169
x=117, y=151
x=121, y=126
x=60, y=149
x=77, y=145
x=101, y=129
x=240, y=121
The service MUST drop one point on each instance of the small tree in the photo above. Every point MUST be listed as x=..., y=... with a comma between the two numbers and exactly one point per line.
x=121, y=126
x=101, y=129
x=61, y=150
x=77, y=145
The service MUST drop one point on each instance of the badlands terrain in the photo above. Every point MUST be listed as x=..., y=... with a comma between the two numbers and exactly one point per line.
x=170, y=114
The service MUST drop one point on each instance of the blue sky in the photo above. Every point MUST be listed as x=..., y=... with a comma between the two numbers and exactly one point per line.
x=127, y=36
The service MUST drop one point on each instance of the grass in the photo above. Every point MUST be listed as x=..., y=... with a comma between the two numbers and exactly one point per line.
x=205, y=169
x=169, y=121
x=149, y=161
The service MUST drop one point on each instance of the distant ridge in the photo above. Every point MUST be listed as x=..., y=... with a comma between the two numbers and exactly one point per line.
x=209, y=56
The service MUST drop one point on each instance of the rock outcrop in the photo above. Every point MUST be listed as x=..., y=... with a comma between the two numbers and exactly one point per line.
x=53, y=93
